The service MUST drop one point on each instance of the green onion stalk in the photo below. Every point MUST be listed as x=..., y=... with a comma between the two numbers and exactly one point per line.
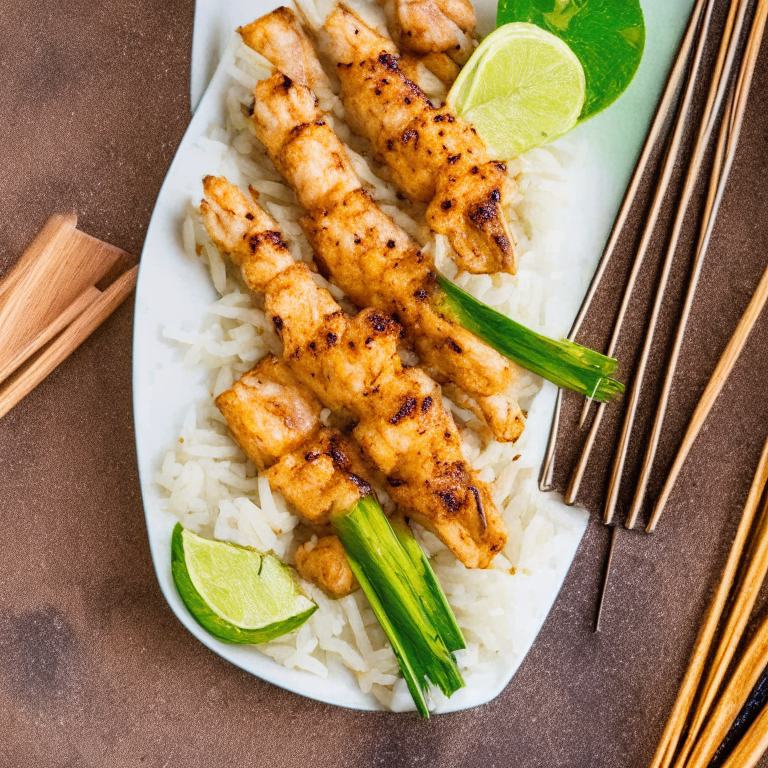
x=564, y=363
x=406, y=598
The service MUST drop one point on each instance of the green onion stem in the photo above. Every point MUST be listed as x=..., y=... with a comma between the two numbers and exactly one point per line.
x=435, y=601
x=564, y=363
x=403, y=600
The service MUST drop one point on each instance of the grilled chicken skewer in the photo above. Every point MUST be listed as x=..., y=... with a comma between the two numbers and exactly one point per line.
x=371, y=258
x=276, y=421
x=434, y=156
x=436, y=32
x=351, y=365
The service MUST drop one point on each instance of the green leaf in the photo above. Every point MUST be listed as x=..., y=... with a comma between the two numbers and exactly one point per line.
x=435, y=601
x=608, y=36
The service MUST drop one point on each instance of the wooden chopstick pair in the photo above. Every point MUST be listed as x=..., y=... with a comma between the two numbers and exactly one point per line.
x=63, y=287
x=710, y=719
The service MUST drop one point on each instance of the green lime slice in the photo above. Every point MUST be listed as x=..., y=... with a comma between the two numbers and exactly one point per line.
x=608, y=36
x=521, y=88
x=236, y=593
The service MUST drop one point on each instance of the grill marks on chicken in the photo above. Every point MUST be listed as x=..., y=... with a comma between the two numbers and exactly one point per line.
x=352, y=365
x=372, y=259
x=276, y=421
x=435, y=157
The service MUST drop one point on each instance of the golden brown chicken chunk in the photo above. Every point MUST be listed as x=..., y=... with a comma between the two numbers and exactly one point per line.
x=435, y=157
x=432, y=26
x=269, y=412
x=325, y=564
x=351, y=364
x=371, y=258
x=280, y=34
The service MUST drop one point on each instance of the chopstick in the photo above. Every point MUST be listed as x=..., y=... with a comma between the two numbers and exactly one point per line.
x=662, y=113
x=693, y=673
x=752, y=747
x=668, y=167
x=25, y=380
x=732, y=699
x=736, y=344
x=711, y=207
x=76, y=308
x=721, y=77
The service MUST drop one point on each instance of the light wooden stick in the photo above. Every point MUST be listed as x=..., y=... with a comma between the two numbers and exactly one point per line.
x=747, y=322
x=76, y=308
x=59, y=266
x=668, y=168
x=662, y=113
x=717, y=90
x=732, y=699
x=677, y=718
x=56, y=227
x=25, y=380
x=752, y=747
x=714, y=196
x=731, y=634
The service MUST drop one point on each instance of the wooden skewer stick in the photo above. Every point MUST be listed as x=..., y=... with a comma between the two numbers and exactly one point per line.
x=731, y=634
x=662, y=113
x=752, y=747
x=732, y=699
x=668, y=167
x=713, y=204
x=682, y=706
x=736, y=344
x=25, y=380
x=714, y=196
x=721, y=78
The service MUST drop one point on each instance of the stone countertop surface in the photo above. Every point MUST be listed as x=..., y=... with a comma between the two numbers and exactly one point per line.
x=95, y=670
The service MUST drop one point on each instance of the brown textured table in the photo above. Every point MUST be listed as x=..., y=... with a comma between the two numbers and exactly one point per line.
x=94, y=668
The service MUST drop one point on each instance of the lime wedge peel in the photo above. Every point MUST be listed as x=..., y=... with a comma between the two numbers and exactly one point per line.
x=522, y=88
x=236, y=593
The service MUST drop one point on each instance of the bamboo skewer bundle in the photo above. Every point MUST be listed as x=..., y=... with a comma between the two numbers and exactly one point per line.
x=668, y=167
x=733, y=698
x=747, y=322
x=63, y=287
x=719, y=87
x=694, y=671
x=662, y=113
x=723, y=161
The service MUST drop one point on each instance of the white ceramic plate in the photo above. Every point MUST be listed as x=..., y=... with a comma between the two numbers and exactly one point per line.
x=173, y=292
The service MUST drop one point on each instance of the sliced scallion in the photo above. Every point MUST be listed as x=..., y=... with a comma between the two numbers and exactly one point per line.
x=564, y=363
x=400, y=595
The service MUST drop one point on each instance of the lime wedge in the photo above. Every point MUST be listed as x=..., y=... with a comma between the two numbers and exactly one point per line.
x=521, y=88
x=608, y=36
x=236, y=593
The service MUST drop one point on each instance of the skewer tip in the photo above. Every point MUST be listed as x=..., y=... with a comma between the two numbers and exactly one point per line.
x=614, y=532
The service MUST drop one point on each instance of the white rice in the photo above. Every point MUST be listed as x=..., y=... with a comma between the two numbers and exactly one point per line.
x=213, y=489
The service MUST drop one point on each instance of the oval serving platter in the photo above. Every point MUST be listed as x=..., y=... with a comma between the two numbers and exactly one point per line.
x=174, y=291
